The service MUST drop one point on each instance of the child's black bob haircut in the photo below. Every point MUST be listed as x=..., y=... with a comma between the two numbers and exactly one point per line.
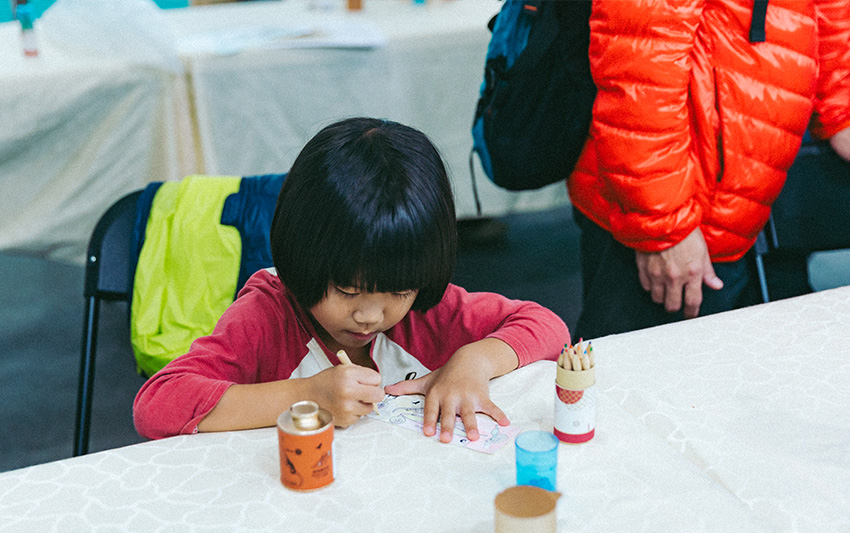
x=367, y=204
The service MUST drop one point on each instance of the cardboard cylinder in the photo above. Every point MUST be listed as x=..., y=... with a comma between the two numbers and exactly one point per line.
x=575, y=405
x=526, y=509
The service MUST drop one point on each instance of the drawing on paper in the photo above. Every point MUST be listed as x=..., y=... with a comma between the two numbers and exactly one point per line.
x=409, y=412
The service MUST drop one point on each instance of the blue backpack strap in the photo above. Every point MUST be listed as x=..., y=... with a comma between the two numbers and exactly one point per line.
x=251, y=211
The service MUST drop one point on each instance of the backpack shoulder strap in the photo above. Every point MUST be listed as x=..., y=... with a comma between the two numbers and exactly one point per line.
x=757, y=32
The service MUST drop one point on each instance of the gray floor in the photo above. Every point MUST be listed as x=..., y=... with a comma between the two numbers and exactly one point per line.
x=41, y=308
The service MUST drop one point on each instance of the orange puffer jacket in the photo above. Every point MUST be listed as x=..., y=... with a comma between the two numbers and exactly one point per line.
x=694, y=125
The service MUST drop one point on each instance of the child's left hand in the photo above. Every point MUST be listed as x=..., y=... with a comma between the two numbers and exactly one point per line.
x=461, y=387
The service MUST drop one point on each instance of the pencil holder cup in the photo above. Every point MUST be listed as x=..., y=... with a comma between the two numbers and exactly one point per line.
x=575, y=405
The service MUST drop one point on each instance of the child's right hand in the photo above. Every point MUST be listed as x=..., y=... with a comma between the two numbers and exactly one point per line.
x=347, y=391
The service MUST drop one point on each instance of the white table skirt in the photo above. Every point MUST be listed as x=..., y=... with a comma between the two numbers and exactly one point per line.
x=734, y=422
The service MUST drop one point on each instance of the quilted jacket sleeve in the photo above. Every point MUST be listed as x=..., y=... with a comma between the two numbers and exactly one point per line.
x=832, y=104
x=640, y=60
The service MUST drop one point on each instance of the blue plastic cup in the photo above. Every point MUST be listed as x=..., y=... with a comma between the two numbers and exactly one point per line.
x=537, y=459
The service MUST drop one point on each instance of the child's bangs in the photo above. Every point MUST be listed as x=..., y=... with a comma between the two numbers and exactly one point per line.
x=391, y=259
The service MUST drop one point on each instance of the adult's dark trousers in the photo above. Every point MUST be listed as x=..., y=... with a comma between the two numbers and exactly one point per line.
x=613, y=300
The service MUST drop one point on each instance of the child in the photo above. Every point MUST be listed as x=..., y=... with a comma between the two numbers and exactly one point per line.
x=364, y=244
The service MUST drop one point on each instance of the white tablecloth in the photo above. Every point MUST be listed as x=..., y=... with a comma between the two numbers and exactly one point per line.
x=77, y=132
x=735, y=422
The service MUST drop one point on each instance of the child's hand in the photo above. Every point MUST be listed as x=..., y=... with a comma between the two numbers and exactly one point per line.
x=347, y=391
x=461, y=387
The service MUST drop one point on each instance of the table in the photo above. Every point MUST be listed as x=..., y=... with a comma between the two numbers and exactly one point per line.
x=79, y=130
x=256, y=108
x=733, y=422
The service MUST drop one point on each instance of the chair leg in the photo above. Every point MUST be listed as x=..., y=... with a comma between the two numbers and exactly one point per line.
x=86, y=383
x=762, y=278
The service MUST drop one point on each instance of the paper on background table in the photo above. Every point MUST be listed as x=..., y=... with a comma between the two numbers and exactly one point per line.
x=326, y=34
x=408, y=412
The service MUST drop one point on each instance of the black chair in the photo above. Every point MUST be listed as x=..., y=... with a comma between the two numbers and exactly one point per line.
x=110, y=268
x=811, y=214
x=114, y=250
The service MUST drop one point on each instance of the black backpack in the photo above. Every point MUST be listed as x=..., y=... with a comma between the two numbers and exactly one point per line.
x=534, y=111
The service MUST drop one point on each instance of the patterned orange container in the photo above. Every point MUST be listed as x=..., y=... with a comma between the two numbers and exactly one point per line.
x=305, y=437
x=575, y=405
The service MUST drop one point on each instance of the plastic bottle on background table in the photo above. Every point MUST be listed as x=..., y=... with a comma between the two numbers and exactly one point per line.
x=25, y=15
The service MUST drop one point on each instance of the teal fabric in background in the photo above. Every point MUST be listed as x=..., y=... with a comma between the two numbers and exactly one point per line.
x=40, y=5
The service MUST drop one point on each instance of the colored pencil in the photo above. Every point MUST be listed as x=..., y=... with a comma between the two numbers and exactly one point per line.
x=562, y=356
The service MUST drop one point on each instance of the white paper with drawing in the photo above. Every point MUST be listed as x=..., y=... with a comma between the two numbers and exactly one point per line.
x=408, y=412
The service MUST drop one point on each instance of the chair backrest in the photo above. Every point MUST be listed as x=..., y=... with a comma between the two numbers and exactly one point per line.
x=812, y=213
x=111, y=257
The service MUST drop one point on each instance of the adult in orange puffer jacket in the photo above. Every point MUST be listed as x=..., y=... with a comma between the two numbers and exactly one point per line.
x=694, y=127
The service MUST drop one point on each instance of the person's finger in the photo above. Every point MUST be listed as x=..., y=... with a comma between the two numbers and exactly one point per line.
x=673, y=296
x=657, y=281
x=710, y=278
x=372, y=395
x=430, y=415
x=470, y=422
x=693, y=298
x=447, y=423
x=405, y=387
x=657, y=291
x=411, y=386
x=492, y=410
x=643, y=275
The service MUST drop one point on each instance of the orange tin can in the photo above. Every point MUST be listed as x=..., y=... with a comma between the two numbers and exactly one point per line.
x=305, y=436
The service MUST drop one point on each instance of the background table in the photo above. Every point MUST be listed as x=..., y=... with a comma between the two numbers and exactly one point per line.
x=256, y=108
x=75, y=135
x=80, y=131
x=734, y=422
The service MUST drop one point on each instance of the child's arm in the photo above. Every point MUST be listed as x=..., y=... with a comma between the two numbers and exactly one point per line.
x=347, y=391
x=461, y=387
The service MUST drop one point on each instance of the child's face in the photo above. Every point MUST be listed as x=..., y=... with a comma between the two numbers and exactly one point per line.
x=352, y=318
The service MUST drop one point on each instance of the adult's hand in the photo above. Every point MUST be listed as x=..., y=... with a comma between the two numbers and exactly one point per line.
x=679, y=270
x=841, y=143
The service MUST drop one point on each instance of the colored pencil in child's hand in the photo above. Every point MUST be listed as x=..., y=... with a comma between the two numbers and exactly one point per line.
x=342, y=356
x=344, y=359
